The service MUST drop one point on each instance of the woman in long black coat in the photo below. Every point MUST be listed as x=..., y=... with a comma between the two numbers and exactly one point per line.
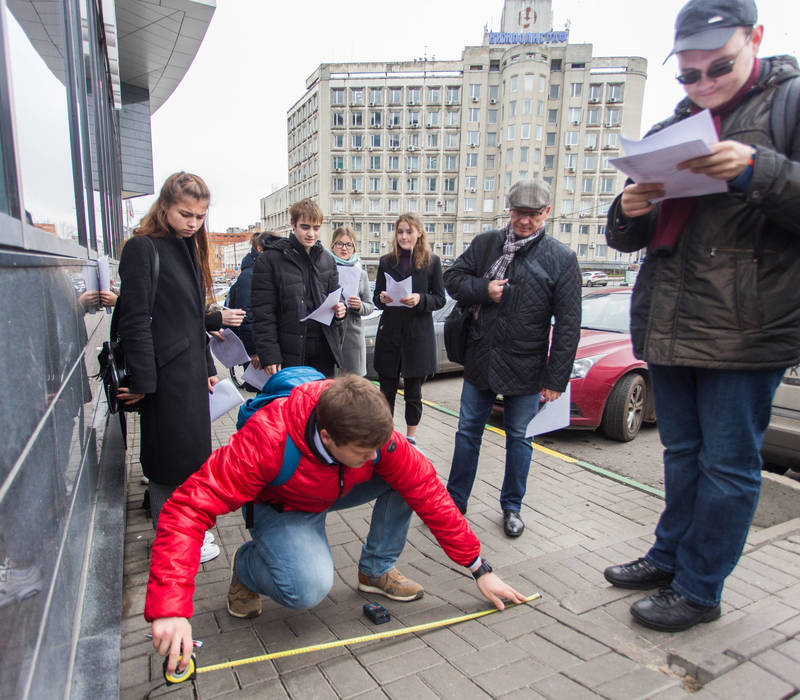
x=405, y=342
x=171, y=368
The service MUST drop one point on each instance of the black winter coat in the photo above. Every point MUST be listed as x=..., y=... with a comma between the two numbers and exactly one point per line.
x=728, y=297
x=510, y=350
x=168, y=358
x=239, y=297
x=405, y=342
x=288, y=284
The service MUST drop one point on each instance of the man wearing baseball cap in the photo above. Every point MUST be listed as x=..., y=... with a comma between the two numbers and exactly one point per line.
x=514, y=281
x=716, y=308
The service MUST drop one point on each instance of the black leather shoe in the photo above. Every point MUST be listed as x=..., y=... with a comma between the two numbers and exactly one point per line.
x=512, y=523
x=669, y=611
x=638, y=575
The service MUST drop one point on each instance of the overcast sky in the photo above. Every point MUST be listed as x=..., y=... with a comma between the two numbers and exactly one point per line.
x=226, y=121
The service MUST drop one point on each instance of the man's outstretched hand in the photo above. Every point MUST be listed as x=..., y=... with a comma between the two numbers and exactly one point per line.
x=494, y=590
x=173, y=636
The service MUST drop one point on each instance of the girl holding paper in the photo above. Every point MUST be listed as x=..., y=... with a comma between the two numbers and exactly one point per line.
x=354, y=350
x=165, y=277
x=405, y=343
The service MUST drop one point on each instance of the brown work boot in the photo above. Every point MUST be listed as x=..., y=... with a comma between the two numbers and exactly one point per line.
x=242, y=602
x=392, y=584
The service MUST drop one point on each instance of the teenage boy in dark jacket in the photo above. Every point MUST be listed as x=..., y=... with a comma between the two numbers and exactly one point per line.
x=347, y=454
x=715, y=311
x=516, y=280
x=291, y=278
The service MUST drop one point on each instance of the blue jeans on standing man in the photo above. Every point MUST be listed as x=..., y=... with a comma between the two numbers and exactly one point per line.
x=711, y=423
x=476, y=405
x=289, y=558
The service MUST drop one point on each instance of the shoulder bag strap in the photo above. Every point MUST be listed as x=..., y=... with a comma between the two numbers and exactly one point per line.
x=783, y=115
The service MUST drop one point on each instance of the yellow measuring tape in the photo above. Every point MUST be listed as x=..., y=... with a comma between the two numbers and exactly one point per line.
x=192, y=668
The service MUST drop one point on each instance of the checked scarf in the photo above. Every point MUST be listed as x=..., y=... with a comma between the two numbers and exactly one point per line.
x=511, y=247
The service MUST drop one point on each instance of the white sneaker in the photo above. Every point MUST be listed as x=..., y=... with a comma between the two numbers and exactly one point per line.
x=209, y=538
x=19, y=584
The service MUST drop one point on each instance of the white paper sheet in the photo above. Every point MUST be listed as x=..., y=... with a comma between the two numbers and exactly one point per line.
x=349, y=279
x=324, y=314
x=397, y=290
x=255, y=377
x=104, y=276
x=655, y=158
x=552, y=415
x=229, y=351
x=224, y=398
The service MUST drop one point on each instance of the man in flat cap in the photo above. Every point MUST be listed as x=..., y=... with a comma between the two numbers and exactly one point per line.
x=716, y=307
x=515, y=281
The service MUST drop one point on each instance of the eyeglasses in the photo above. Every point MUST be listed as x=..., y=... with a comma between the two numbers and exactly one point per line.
x=715, y=70
x=530, y=213
x=344, y=246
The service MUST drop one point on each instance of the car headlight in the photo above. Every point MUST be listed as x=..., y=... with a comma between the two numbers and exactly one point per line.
x=581, y=367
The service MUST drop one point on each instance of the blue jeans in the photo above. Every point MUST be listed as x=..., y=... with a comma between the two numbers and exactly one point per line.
x=711, y=423
x=476, y=405
x=289, y=559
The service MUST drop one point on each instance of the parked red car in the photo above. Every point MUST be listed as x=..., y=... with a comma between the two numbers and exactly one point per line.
x=610, y=387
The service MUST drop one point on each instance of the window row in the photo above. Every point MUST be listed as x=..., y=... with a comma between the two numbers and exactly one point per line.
x=393, y=205
x=394, y=119
x=392, y=183
x=583, y=229
x=394, y=95
x=430, y=162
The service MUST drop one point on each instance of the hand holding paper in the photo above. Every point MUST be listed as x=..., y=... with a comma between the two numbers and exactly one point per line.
x=397, y=290
x=655, y=159
x=324, y=314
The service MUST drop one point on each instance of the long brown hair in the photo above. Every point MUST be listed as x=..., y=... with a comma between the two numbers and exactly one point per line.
x=178, y=186
x=421, y=254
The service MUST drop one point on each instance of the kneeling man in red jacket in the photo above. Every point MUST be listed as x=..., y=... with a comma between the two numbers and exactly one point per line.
x=338, y=439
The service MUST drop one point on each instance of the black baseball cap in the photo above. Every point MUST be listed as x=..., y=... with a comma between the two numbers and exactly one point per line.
x=707, y=25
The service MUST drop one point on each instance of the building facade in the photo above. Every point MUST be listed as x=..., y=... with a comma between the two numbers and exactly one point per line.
x=78, y=83
x=446, y=139
x=275, y=212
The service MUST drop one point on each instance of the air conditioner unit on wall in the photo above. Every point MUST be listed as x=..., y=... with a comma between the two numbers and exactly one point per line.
x=493, y=101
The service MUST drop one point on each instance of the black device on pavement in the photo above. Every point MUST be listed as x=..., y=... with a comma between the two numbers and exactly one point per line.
x=377, y=613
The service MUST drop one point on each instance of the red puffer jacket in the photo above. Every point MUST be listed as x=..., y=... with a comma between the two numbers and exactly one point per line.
x=238, y=473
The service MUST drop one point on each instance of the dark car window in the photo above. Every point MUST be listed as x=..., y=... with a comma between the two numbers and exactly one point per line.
x=607, y=312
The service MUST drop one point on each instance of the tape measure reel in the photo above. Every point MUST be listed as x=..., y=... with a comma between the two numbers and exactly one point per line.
x=189, y=673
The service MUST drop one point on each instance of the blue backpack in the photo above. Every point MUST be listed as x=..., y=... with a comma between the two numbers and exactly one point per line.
x=277, y=386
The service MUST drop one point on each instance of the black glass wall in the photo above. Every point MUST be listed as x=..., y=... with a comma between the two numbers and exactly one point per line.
x=60, y=208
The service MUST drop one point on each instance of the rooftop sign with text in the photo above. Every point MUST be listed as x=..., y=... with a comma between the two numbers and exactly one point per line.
x=514, y=38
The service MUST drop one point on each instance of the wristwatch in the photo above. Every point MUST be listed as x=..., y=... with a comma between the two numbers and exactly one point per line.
x=484, y=568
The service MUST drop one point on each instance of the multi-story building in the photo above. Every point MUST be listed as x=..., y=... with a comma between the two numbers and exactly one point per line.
x=446, y=139
x=275, y=212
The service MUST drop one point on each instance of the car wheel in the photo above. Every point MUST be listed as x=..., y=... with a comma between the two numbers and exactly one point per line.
x=625, y=408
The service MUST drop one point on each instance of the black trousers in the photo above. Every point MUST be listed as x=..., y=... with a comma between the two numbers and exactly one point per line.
x=413, y=395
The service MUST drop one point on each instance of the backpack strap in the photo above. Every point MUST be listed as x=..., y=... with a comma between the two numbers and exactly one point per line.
x=783, y=115
x=291, y=458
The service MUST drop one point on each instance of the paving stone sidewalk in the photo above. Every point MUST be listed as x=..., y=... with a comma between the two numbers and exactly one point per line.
x=577, y=641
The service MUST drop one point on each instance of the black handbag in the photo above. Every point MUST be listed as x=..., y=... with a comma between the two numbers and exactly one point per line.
x=456, y=333
x=113, y=371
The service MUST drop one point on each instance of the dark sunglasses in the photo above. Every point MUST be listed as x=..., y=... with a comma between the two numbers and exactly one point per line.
x=715, y=70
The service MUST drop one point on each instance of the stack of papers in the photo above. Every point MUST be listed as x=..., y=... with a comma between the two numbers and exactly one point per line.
x=655, y=159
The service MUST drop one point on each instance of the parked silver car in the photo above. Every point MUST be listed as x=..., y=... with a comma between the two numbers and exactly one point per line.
x=781, y=448
x=594, y=278
x=370, y=325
